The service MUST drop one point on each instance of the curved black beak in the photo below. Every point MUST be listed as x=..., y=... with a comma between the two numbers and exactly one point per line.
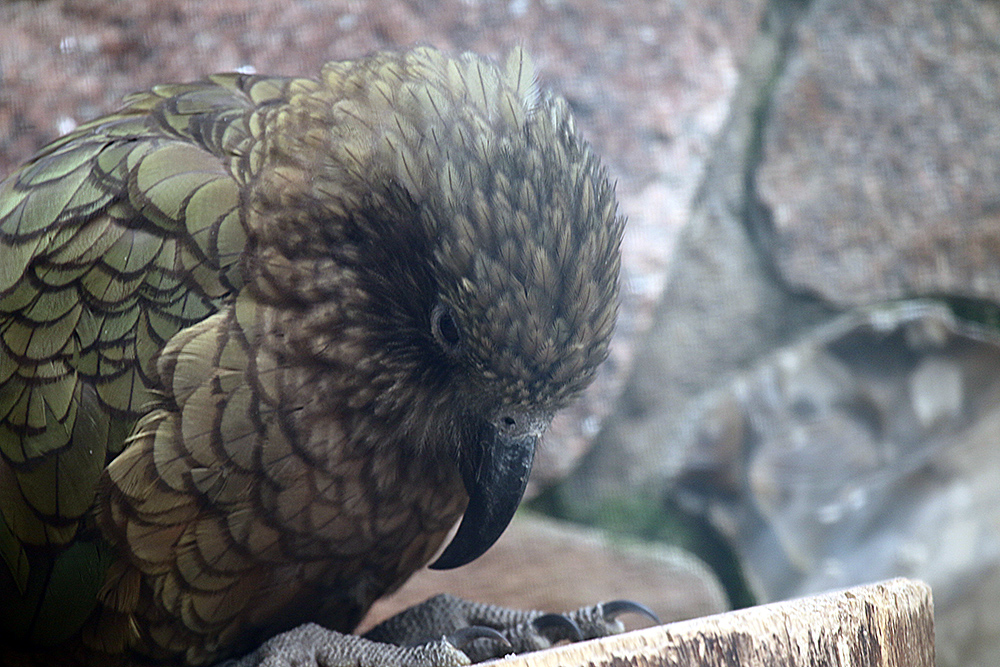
x=495, y=472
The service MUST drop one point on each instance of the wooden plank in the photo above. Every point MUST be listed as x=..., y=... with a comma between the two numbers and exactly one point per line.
x=886, y=624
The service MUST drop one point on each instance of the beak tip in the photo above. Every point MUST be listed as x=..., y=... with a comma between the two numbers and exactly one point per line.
x=449, y=560
x=495, y=484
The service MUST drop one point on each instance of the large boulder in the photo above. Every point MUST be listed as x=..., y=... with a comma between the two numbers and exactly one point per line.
x=832, y=428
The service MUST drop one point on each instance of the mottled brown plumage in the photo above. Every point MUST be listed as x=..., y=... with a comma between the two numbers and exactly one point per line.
x=264, y=340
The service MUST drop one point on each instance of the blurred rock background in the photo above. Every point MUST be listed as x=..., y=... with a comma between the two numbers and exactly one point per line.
x=803, y=392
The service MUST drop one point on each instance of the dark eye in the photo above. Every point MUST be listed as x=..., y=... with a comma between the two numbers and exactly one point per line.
x=445, y=329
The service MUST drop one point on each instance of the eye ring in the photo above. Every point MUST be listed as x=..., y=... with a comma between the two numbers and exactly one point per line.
x=445, y=329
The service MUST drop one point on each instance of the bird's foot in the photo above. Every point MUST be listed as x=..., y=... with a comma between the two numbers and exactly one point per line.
x=310, y=645
x=443, y=631
x=519, y=631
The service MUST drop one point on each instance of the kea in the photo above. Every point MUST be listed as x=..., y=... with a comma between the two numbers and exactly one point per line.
x=265, y=340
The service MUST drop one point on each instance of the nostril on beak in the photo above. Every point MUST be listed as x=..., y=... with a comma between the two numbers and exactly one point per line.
x=514, y=424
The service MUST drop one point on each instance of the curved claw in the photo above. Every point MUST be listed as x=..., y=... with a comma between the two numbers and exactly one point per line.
x=562, y=627
x=612, y=610
x=464, y=636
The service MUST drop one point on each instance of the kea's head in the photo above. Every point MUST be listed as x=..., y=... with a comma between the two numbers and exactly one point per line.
x=463, y=241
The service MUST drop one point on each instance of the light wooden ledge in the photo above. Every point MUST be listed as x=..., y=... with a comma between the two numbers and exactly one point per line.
x=889, y=623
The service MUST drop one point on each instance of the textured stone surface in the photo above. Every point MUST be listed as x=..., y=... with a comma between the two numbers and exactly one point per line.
x=832, y=443
x=721, y=309
x=866, y=451
x=882, y=151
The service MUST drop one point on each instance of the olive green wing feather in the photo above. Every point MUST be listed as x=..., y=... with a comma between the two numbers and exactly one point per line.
x=113, y=239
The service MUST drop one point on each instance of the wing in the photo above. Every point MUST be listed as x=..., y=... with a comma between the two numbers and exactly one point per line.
x=112, y=240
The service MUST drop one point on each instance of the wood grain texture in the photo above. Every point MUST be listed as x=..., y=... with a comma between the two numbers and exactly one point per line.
x=885, y=624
